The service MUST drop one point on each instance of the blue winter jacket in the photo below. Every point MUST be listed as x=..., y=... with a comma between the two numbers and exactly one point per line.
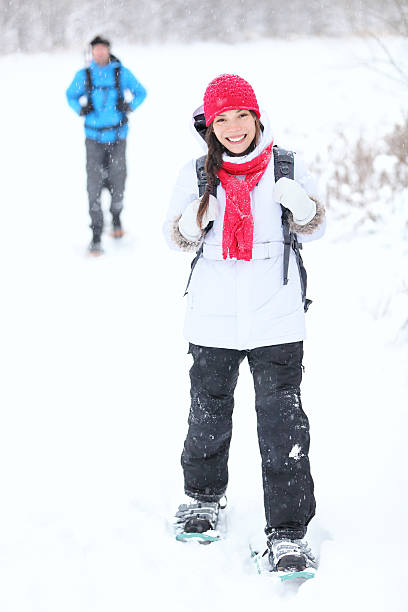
x=104, y=98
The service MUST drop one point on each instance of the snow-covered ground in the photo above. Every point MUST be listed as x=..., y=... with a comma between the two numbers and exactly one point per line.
x=94, y=390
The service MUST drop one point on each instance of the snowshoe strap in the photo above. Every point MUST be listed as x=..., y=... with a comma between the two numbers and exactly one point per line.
x=199, y=511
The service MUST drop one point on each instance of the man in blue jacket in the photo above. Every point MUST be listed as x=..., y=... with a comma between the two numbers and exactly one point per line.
x=97, y=93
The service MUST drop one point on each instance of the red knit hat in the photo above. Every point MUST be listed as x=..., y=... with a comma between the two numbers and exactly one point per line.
x=228, y=92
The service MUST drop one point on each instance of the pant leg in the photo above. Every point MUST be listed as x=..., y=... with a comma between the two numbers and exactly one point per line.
x=117, y=175
x=95, y=152
x=213, y=376
x=283, y=434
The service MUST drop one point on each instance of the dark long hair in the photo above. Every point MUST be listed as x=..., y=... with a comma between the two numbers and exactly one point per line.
x=213, y=162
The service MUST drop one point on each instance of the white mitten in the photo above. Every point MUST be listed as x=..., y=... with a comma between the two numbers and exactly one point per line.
x=188, y=222
x=293, y=196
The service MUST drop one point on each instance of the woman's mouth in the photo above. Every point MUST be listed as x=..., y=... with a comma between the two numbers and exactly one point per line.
x=235, y=139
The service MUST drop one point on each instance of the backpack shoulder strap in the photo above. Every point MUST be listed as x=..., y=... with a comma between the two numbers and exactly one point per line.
x=284, y=163
x=117, y=82
x=202, y=186
x=202, y=177
x=89, y=87
x=120, y=99
x=88, y=80
x=285, y=167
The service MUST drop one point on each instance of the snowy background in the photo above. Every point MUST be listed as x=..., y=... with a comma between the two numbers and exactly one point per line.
x=95, y=387
x=60, y=24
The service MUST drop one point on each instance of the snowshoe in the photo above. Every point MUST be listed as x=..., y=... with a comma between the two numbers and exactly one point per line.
x=95, y=248
x=117, y=230
x=117, y=233
x=290, y=555
x=290, y=561
x=197, y=520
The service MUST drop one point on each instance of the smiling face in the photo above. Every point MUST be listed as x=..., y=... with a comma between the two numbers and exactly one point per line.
x=235, y=130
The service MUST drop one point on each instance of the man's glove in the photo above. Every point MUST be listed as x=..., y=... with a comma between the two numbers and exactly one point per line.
x=85, y=110
x=123, y=106
x=188, y=222
x=291, y=195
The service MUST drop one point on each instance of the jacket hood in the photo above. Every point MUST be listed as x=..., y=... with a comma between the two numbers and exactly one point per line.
x=199, y=129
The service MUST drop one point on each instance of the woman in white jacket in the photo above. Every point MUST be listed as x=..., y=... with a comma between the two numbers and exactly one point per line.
x=239, y=307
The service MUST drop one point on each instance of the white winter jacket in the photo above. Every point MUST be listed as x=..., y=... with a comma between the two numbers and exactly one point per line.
x=244, y=304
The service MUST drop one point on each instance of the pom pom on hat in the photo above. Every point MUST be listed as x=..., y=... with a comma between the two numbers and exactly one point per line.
x=228, y=92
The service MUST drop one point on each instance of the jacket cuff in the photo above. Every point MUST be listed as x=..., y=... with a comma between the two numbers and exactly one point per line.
x=313, y=224
x=178, y=238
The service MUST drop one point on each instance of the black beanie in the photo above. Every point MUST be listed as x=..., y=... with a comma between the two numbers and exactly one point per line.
x=99, y=40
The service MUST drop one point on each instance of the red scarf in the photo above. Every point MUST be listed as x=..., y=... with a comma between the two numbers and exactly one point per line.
x=238, y=231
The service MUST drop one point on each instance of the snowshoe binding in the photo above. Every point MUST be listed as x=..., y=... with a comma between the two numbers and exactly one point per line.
x=291, y=559
x=198, y=521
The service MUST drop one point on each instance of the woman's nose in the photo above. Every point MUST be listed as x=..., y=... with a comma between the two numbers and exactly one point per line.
x=233, y=125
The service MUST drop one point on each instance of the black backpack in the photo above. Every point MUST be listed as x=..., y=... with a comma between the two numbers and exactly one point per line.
x=284, y=166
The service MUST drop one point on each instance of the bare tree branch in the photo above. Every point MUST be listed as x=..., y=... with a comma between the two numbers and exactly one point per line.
x=390, y=59
x=403, y=15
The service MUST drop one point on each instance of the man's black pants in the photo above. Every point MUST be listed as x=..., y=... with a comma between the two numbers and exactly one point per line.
x=283, y=431
x=105, y=167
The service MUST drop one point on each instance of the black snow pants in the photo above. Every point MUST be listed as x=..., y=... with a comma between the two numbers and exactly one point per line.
x=283, y=431
x=105, y=167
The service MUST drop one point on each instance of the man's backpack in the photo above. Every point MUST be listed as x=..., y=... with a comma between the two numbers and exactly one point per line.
x=284, y=166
